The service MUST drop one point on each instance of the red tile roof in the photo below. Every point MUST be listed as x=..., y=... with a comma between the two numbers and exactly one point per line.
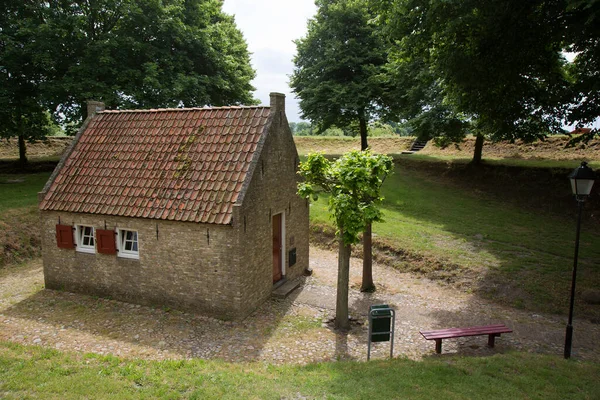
x=169, y=164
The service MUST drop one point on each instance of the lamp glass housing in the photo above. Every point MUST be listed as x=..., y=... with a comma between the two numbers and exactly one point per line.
x=582, y=187
x=582, y=179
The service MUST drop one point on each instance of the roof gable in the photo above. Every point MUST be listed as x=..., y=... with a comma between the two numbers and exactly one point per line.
x=169, y=164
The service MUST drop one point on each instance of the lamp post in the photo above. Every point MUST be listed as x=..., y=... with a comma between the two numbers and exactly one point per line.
x=582, y=180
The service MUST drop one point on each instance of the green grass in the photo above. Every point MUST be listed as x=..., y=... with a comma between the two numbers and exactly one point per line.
x=508, y=253
x=20, y=194
x=34, y=372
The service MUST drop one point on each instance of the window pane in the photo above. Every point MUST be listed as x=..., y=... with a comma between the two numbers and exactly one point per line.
x=135, y=246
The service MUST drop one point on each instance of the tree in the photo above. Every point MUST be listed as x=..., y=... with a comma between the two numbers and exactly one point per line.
x=583, y=36
x=493, y=68
x=336, y=77
x=21, y=111
x=353, y=183
x=337, y=65
x=132, y=54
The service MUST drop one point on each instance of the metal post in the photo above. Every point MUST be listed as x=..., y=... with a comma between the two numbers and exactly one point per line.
x=370, y=332
x=392, y=333
x=569, y=332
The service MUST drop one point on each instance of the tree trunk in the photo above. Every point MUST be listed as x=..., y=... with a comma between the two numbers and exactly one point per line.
x=367, y=277
x=478, y=149
x=341, y=307
x=367, y=274
x=362, y=123
x=22, y=150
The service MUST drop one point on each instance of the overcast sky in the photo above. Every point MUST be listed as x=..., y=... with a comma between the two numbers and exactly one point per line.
x=269, y=27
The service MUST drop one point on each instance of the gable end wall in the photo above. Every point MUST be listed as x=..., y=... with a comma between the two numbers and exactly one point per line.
x=272, y=190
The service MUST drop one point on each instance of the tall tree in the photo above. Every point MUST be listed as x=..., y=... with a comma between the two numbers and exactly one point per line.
x=337, y=66
x=22, y=113
x=135, y=54
x=493, y=67
x=336, y=77
x=353, y=183
x=582, y=20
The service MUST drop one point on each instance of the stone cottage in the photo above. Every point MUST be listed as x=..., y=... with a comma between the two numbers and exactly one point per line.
x=191, y=208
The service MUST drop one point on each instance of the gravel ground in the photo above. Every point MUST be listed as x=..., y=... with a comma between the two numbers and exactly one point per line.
x=294, y=330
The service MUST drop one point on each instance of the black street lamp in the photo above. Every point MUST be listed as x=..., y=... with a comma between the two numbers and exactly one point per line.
x=582, y=180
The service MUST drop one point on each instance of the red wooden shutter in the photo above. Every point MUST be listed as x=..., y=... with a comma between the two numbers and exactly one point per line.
x=105, y=241
x=64, y=237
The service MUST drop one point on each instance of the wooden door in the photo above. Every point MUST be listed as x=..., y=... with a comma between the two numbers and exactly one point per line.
x=277, y=244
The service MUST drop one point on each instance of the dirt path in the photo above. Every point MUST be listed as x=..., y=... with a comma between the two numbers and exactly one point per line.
x=294, y=330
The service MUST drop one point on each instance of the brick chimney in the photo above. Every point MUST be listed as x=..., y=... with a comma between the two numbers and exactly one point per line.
x=278, y=106
x=277, y=101
x=94, y=107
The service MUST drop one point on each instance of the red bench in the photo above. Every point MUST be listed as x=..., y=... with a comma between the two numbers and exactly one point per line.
x=491, y=330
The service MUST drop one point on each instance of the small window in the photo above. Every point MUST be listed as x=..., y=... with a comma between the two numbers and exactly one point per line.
x=128, y=244
x=85, y=239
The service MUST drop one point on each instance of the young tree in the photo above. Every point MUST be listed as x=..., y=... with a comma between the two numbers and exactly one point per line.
x=353, y=183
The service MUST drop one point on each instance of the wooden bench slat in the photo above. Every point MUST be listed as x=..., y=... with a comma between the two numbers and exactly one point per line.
x=457, y=335
x=491, y=330
x=459, y=332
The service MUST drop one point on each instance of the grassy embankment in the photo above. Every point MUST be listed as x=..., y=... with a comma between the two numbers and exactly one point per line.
x=479, y=242
x=485, y=229
x=19, y=220
x=34, y=372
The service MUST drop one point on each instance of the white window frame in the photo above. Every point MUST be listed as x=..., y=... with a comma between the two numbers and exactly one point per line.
x=79, y=246
x=121, y=237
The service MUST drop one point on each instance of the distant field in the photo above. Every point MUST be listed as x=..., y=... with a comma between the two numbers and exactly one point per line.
x=47, y=150
x=549, y=153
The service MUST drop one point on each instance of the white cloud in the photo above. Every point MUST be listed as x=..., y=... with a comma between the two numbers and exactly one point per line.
x=269, y=27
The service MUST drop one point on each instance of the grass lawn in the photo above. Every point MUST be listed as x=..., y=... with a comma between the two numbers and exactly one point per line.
x=508, y=253
x=20, y=190
x=34, y=372
x=467, y=233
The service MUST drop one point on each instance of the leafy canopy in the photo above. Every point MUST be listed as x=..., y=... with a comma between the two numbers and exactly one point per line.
x=128, y=54
x=354, y=184
x=337, y=65
x=492, y=66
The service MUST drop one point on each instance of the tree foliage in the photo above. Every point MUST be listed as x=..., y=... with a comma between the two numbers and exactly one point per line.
x=353, y=183
x=337, y=66
x=583, y=36
x=493, y=67
x=126, y=53
x=22, y=111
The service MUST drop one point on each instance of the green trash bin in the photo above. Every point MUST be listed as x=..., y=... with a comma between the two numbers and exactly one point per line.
x=380, y=320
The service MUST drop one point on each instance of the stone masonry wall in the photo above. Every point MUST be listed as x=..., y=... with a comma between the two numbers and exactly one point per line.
x=271, y=191
x=181, y=265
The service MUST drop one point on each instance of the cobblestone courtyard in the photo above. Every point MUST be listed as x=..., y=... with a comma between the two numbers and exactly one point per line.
x=294, y=330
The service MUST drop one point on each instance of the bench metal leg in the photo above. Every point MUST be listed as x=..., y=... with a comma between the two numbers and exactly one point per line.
x=491, y=339
x=438, y=346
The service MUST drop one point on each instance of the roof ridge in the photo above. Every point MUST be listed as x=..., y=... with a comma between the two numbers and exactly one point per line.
x=181, y=109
